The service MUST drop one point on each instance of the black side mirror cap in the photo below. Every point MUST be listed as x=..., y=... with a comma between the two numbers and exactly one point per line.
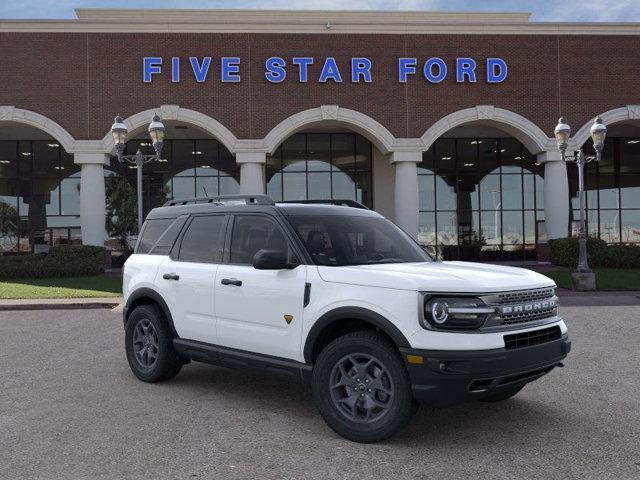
x=271, y=260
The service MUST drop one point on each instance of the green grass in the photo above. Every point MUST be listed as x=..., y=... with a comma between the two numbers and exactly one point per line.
x=73, y=287
x=606, y=278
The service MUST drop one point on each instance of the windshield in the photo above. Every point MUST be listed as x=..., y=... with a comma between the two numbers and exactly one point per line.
x=339, y=240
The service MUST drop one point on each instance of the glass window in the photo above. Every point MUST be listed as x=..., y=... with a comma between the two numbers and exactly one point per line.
x=427, y=193
x=8, y=159
x=630, y=226
x=339, y=240
x=629, y=155
x=321, y=166
x=151, y=232
x=512, y=191
x=184, y=156
x=252, y=233
x=463, y=207
x=318, y=152
x=203, y=240
x=164, y=244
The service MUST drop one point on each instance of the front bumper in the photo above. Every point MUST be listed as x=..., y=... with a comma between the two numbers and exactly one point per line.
x=446, y=377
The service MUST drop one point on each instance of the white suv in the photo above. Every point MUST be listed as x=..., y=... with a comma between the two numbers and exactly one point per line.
x=339, y=296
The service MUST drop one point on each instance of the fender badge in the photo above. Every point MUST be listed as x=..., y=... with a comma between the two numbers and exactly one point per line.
x=288, y=318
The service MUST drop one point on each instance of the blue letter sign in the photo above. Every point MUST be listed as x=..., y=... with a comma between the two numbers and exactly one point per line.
x=434, y=69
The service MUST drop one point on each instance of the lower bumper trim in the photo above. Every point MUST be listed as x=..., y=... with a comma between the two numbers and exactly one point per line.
x=447, y=378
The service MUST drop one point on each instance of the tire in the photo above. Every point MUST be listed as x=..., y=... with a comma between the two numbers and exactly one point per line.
x=501, y=395
x=354, y=408
x=147, y=328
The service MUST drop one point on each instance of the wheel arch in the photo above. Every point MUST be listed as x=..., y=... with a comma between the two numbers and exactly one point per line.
x=334, y=319
x=147, y=296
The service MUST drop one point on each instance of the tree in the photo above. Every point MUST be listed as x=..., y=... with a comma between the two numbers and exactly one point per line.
x=122, y=219
x=9, y=222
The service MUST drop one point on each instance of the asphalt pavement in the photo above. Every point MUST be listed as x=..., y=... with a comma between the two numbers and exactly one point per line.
x=70, y=408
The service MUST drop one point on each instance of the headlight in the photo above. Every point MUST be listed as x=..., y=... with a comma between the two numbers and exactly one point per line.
x=455, y=313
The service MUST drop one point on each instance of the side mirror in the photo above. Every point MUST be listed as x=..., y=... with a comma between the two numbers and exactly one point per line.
x=271, y=260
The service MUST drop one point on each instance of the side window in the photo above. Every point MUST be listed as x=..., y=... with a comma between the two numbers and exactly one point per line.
x=152, y=231
x=318, y=242
x=252, y=233
x=168, y=238
x=204, y=240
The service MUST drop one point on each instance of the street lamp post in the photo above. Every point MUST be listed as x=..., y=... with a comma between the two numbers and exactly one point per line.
x=583, y=278
x=156, y=132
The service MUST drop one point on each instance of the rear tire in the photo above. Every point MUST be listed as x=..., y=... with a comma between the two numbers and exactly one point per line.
x=149, y=345
x=501, y=395
x=362, y=389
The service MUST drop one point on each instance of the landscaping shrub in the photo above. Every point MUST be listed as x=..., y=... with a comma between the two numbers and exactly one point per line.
x=61, y=261
x=564, y=252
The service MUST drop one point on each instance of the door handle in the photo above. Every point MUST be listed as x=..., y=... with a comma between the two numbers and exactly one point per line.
x=171, y=276
x=231, y=281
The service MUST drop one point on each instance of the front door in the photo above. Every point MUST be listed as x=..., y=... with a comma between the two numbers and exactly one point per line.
x=259, y=310
x=187, y=278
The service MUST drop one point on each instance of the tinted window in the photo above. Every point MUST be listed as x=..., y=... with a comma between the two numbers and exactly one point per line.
x=204, y=240
x=167, y=239
x=352, y=240
x=152, y=231
x=253, y=233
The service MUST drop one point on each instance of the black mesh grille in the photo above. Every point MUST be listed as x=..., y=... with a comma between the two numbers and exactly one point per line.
x=534, y=337
x=523, y=317
x=525, y=296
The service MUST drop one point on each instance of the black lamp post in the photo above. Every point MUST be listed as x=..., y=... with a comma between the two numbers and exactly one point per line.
x=598, y=133
x=156, y=132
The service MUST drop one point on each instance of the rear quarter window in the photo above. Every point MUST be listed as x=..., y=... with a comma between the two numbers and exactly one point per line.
x=159, y=235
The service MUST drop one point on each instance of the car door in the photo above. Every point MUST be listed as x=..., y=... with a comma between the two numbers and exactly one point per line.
x=259, y=310
x=187, y=277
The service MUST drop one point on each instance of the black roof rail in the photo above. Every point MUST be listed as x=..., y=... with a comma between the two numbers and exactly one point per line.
x=221, y=199
x=343, y=203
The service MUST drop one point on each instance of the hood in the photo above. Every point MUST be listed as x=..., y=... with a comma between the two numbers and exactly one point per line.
x=458, y=277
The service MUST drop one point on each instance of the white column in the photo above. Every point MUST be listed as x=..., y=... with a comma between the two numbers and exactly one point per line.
x=251, y=172
x=406, y=199
x=92, y=197
x=556, y=194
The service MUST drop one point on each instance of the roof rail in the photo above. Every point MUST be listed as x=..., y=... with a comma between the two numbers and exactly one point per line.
x=222, y=199
x=343, y=203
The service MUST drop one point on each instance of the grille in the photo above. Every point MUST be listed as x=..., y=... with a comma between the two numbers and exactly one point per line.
x=535, y=337
x=523, y=317
x=525, y=296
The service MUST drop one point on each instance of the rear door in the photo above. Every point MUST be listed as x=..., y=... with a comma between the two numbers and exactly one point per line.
x=186, y=278
x=259, y=310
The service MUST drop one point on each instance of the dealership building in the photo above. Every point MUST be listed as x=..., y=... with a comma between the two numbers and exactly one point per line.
x=442, y=122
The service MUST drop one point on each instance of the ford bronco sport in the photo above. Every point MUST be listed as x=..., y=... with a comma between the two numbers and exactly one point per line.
x=336, y=295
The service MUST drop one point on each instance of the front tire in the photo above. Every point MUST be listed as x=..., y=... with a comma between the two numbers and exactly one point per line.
x=149, y=345
x=362, y=388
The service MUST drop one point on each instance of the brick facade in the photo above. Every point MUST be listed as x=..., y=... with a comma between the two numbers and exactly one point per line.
x=81, y=80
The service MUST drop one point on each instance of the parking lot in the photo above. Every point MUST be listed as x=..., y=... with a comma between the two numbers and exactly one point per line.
x=70, y=408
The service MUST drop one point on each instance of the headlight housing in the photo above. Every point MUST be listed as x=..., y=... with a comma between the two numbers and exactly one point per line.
x=451, y=313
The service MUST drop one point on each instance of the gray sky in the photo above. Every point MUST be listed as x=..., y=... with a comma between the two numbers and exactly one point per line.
x=542, y=10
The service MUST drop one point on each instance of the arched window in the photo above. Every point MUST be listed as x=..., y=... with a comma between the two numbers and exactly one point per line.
x=480, y=198
x=39, y=194
x=320, y=166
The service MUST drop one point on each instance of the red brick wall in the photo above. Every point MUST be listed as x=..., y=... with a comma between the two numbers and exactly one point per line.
x=82, y=80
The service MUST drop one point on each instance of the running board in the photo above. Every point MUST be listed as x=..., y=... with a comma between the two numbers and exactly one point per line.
x=240, y=359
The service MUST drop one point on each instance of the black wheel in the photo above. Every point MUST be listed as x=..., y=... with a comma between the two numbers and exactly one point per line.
x=149, y=345
x=362, y=388
x=502, y=394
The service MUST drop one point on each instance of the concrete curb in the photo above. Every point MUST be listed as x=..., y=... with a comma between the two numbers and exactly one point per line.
x=59, y=304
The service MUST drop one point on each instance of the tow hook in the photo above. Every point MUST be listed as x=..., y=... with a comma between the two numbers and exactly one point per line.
x=561, y=365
